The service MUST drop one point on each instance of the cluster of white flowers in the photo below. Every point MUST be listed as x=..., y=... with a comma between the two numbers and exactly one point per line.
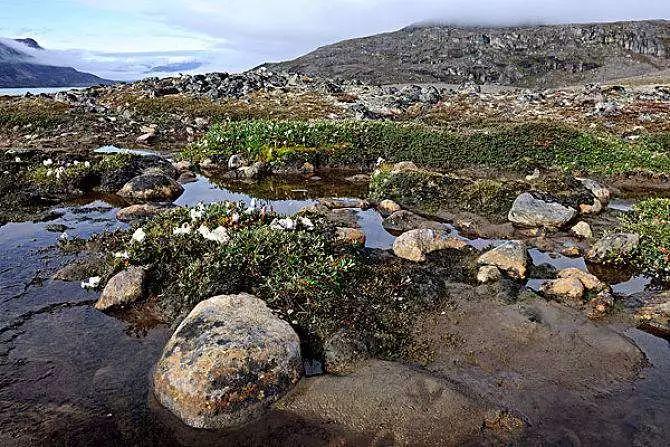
x=58, y=172
x=48, y=162
x=91, y=283
x=138, y=236
x=122, y=255
x=288, y=224
x=184, y=230
x=64, y=236
x=218, y=235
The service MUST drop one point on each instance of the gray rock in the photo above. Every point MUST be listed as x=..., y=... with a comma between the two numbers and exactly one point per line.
x=414, y=245
x=614, y=248
x=235, y=161
x=124, y=288
x=151, y=186
x=138, y=212
x=404, y=220
x=510, y=257
x=528, y=211
x=227, y=363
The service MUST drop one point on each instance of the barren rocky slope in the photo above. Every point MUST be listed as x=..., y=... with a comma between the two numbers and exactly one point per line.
x=520, y=56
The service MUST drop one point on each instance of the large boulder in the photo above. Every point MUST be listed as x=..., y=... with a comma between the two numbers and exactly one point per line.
x=414, y=245
x=153, y=186
x=530, y=211
x=510, y=257
x=227, y=363
x=614, y=248
x=124, y=288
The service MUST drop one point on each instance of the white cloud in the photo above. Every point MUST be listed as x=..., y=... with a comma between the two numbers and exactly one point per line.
x=238, y=34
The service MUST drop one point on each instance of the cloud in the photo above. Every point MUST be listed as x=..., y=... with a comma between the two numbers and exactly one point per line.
x=233, y=35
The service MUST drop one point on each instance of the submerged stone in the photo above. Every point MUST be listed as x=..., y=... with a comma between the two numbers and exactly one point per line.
x=151, y=186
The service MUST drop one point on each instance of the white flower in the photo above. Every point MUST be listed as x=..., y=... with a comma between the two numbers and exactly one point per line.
x=17, y=159
x=91, y=283
x=50, y=172
x=235, y=218
x=75, y=163
x=283, y=224
x=305, y=222
x=197, y=212
x=48, y=162
x=64, y=236
x=138, y=236
x=252, y=207
x=183, y=230
x=87, y=164
x=122, y=255
x=219, y=235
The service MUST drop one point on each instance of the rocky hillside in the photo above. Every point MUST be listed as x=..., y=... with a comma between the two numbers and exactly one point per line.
x=18, y=69
x=528, y=56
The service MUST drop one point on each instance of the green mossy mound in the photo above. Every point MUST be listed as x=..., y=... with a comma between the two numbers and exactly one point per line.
x=320, y=287
x=651, y=220
x=361, y=143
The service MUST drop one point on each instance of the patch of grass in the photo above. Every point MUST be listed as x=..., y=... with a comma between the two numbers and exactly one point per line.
x=258, y=105
x=35, y=111
x=651, y=220
x=318, y=286
x=363, y=142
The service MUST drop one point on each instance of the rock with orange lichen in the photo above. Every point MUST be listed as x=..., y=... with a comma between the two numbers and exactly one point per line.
x=227, y=363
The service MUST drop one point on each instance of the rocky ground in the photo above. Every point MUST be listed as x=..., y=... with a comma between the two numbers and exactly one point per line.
x=412, y=265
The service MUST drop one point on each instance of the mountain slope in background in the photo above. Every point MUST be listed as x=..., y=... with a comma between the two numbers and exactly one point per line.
x=18, y=69
x=524, y=56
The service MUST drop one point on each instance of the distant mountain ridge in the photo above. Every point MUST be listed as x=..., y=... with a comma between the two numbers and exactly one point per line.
x=18, y=69
x=523, y=56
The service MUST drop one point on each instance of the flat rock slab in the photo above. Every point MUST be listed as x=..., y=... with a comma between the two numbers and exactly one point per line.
x=529, y=211
x=399, y=404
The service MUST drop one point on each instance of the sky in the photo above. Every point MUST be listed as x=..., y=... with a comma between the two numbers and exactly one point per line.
x=128, y=39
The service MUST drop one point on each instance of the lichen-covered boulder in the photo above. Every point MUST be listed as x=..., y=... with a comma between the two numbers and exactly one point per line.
x=569, y=288
x=530, y=211
x=510, y=257
x=414, y=245
x=124, y=288
x=227, y=363
x=614, y=248
x=153, y=186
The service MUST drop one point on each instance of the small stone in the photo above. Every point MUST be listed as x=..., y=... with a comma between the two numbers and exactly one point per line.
x=353, y=236
x=405, y=166
x=187, y=177
x=124, y=288
x=614, y=248
x=510, y=257
x=235, y=161
x=183, y=165
x=599, y=191
x=342, y=352
x=137, y=212
x=414, y=245
x=146, y=138
x=590, y=282
x=596, y=208
x=582, y=229
x=528, y=211
x=488, y=274
x=151, y=186
x=387, y=207
x=307, y=168
x=566, y=288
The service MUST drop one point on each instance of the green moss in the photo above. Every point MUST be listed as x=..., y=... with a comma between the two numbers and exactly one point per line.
x=651, y=220
x=317, y=285
x=430, y=191
x=363, y=142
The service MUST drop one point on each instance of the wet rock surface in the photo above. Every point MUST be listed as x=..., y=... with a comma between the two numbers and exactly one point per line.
x=152, y=187
x=124, y=288
x=529, y=211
